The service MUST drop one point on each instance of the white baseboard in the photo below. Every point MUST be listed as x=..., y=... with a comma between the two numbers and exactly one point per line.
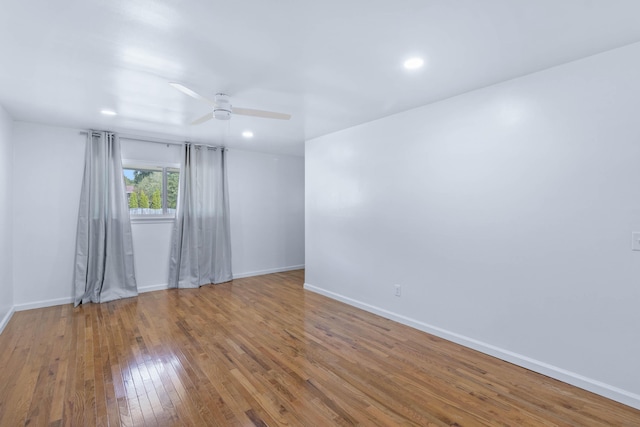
x=152, y=288
x=5, y=320
x=268, y=271
x=595, y=386
x=43, y=303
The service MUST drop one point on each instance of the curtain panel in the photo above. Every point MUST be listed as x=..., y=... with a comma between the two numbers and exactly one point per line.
x=201, y=245
x=104, y=269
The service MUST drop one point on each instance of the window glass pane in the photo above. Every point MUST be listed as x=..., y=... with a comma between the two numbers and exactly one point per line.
x=144, y=191
x=173, y=176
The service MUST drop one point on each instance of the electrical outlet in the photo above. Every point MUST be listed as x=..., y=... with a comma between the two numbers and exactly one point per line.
x=398, y=289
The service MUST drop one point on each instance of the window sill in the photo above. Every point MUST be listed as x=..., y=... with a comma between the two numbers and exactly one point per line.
x=155, y=219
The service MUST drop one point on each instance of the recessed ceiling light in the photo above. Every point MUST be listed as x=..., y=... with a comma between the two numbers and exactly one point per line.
x=108, y=112
x=247, y=134
x=413, y=63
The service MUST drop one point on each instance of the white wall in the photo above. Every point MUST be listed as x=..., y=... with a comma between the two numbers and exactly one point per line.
x=51, y=161
x=50, y=164
x=505, y=214
x=6, y=220
x=266, y=197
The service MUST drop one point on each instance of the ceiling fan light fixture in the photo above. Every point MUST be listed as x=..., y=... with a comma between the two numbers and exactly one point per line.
x=222, y=110
x=221, y=114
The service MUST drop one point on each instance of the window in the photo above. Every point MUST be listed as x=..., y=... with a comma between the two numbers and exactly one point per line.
x=152, y=191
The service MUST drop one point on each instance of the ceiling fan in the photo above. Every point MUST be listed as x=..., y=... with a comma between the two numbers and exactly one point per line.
x=222, y=109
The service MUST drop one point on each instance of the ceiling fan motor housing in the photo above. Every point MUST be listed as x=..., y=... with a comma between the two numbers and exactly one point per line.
x=222, y=110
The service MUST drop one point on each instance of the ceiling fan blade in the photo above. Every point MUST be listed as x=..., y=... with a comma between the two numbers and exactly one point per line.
x=203, y=119
x=182, y=88
x=260, y=113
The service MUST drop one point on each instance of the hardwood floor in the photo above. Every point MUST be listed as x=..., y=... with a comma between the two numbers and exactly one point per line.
x=263, y=351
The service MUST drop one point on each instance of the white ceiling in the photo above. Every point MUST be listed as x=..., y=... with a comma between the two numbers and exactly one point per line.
x=331, y=64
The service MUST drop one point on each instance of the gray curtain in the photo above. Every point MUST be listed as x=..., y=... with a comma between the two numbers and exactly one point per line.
x=201, y=247
x=104, y=248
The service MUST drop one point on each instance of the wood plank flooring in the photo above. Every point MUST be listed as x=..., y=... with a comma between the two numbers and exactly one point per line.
x=262, y=351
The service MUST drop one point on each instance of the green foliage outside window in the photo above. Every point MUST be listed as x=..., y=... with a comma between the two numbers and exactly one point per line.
x=156, y=200
x=172, y=189
x=145, y=187
x=133, y=201
x=144, y=200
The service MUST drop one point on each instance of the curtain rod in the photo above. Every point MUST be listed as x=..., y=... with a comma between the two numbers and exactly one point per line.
x=158, y=140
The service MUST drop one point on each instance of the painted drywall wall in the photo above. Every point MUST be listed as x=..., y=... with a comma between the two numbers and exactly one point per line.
x=505, y=214
x=266, y=198
x=50, y=163
x=6, y=218
x=46, y=207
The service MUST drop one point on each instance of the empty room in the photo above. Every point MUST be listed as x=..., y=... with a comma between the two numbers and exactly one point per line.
x=270, y=213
